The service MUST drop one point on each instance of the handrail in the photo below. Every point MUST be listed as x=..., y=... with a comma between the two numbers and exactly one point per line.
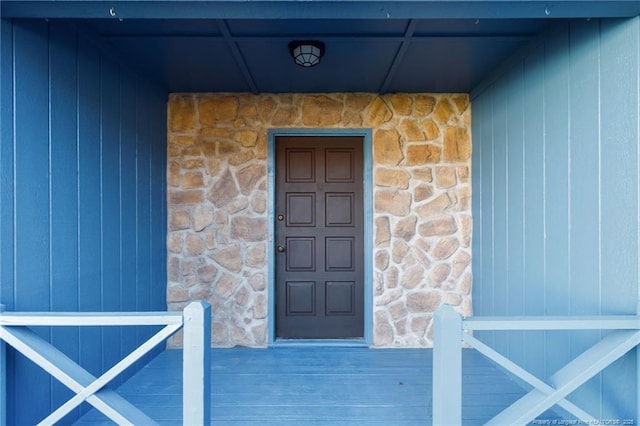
x=603, y=322
x=449, y=333
x=195, y=320
x=89, y=318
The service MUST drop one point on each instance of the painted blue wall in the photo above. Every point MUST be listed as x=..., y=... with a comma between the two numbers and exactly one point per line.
x=555, y=197
x=82, y=198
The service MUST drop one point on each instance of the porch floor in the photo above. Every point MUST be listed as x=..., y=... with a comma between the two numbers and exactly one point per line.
x=316, y=386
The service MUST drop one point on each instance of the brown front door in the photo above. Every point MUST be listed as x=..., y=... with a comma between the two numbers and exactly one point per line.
x=319, y=237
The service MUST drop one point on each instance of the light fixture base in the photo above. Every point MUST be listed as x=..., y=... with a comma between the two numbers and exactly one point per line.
x=306, y=53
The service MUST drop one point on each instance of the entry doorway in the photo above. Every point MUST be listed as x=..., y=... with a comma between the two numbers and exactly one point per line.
x=319, y=237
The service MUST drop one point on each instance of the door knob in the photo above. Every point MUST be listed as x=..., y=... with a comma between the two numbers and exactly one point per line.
x=280, y=249
x=280, y=217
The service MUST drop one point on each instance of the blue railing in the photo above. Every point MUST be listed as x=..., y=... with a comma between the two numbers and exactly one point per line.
x=449, y=334
x=195, y=321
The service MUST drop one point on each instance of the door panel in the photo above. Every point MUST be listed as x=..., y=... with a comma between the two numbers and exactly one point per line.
x=320, y=237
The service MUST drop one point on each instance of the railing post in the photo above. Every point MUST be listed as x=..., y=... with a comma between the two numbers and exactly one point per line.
x=196, y=364
x=447, y=367
x=3, y=379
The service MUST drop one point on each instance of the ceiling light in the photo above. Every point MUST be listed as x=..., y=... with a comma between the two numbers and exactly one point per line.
x=306, y=53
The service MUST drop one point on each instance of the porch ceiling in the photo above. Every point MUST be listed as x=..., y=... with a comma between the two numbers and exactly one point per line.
x=371, y=46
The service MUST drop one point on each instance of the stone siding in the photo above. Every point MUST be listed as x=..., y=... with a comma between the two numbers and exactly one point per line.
x=218, y=218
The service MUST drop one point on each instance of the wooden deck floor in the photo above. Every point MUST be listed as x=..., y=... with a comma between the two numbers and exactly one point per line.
x=317, y=386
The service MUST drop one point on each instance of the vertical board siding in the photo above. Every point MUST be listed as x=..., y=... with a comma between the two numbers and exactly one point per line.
x=584, y=175
x=486, y=197
x=31, y=184
x=110, y=203
x=556, y=178
x=570, y=204
x=157, y=205
x=619, y=198
x=619, y=179
x=128, y=219
x=158, y=179
x=476, y=202
x=31, y=200
x=515, y=214
x=89, y=258
x=500, y=248
x=79, y=214
x=63, y=203
x=143, y=240
x=637, y=353
x=533, y=221
x=6, y=181
x=6, y=161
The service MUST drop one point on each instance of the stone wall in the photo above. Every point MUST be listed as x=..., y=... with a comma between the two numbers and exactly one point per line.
x=218, y=221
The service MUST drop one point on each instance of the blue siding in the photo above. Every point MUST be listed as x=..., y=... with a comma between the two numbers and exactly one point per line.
x=89, y=260
x=6, y=177
x=500, y=247
x=619, y=182
x=485, y=221
x=128, y=216
x=64, y=204
x=31, y=185
x=533, y=222
x=584, y=262
x=515, y=206
x=82, y=204
x=570, y=200
x=476, y=201
x=556, y=178
x=143, y=245
x=110, y=190
x=158, y=201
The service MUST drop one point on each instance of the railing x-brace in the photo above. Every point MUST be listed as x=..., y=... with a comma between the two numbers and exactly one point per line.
x=449, y=333
x=15, y=331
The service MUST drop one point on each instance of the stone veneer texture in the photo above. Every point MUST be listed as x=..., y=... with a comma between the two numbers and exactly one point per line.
x=217, y=205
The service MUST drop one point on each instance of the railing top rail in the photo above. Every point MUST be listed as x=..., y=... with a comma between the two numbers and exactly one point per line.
x=604, y=322
x=89, y=318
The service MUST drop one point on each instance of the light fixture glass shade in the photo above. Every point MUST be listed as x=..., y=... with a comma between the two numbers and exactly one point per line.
x=306, y=53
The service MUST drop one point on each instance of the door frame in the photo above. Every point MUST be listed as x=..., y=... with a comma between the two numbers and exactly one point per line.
x=368, y=234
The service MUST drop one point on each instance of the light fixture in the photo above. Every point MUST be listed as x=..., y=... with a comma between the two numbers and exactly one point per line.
x=306, y=53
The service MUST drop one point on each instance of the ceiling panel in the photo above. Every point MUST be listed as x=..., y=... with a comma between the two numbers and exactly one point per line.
x=362, y=55
x=451, y=64
x=372, y=45
x=357, y=65
x=184, y=64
